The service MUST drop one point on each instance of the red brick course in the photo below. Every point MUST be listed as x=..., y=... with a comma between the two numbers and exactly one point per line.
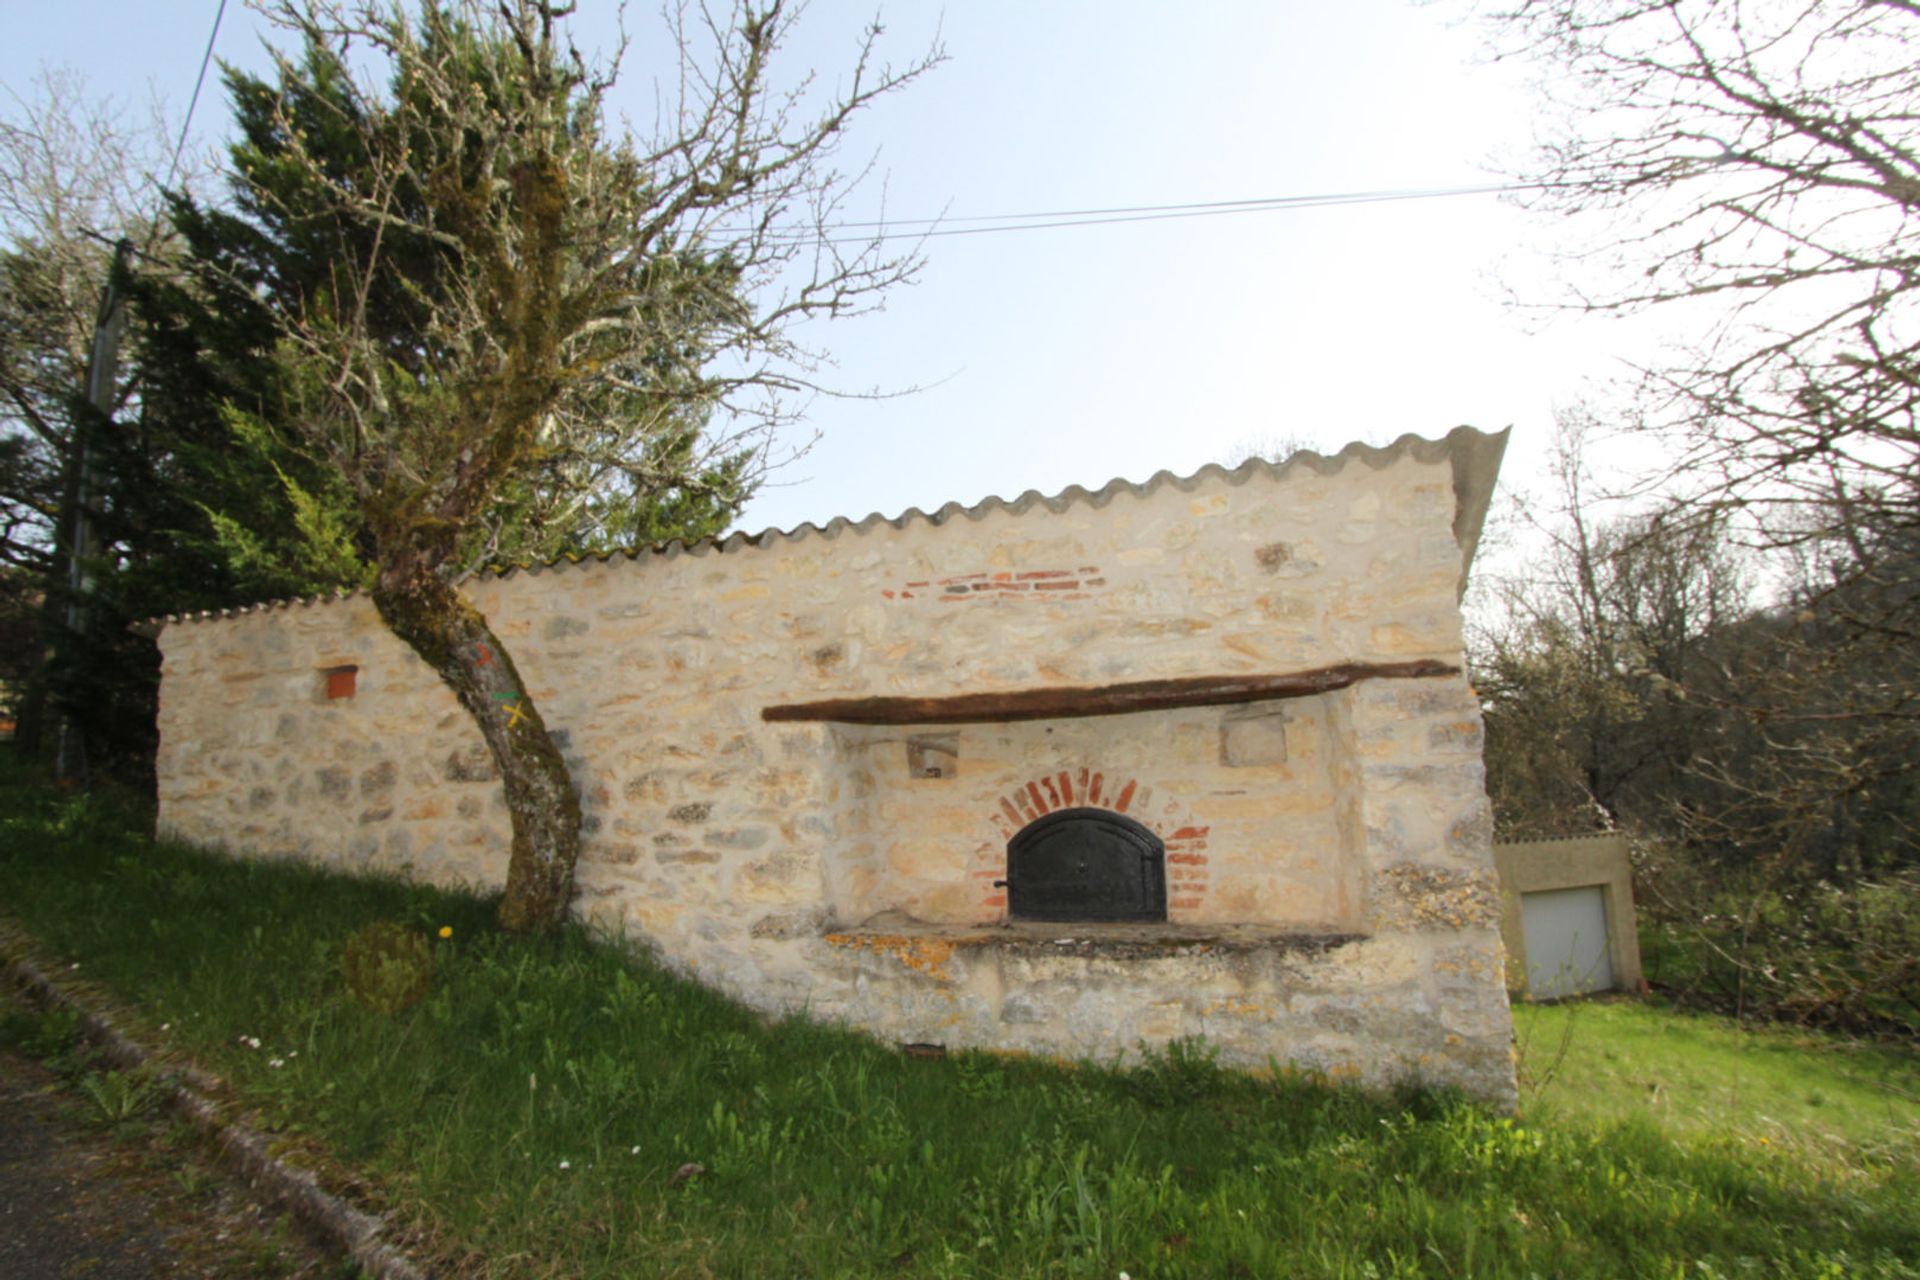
x=1059, y=584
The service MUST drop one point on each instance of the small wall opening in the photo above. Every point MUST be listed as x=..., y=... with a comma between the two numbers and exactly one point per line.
x=1086, y=865
x=338, y=682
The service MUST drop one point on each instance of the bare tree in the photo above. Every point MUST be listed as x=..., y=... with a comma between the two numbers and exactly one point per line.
x=571, y=295
x=76, y=174
x=1598, y=659
x=1752, y=167
x=1755, y=163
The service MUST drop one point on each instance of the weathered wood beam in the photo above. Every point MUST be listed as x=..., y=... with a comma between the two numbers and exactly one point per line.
x=1069, y=701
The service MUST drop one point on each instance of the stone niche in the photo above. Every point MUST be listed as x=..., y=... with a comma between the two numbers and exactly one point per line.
x=1250, y=843
x=802, y=758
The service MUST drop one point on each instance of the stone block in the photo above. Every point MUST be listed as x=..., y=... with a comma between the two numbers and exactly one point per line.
x=678, y=857
x=472, y=763
x=378, y=780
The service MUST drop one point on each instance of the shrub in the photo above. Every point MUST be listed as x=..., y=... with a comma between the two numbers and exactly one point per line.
x=388, y=966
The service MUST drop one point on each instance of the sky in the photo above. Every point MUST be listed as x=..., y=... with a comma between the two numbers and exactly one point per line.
x=1048, y=358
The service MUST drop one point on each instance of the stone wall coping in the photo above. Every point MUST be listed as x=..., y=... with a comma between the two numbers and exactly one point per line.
x=1475, y=456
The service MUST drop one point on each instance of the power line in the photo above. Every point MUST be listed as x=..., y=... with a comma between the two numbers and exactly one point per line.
x=206, y=60
x=1049, y=220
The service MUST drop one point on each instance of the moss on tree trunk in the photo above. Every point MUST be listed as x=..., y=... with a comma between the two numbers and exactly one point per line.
x=452, y=637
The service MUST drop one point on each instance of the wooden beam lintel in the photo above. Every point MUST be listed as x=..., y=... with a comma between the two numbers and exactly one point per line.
x=1070, y=701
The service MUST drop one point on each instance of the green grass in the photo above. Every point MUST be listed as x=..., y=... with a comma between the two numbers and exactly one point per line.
x=1702, y=1076
x=529, y=1115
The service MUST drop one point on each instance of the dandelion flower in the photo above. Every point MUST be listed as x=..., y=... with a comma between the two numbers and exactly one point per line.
x=446, y=931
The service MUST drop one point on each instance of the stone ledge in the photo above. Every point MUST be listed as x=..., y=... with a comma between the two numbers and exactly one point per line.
x=1105, y=940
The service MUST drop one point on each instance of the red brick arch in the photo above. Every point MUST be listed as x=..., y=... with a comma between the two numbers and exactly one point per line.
x=1186, y=840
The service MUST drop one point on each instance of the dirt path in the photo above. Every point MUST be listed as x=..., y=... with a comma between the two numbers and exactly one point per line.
x=82, y=1201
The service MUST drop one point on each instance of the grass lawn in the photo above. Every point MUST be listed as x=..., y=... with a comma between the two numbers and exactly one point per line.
x=530, y=1115
x=1700, y=1076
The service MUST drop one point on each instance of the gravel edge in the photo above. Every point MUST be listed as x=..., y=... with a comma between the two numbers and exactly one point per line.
x=356, y=1234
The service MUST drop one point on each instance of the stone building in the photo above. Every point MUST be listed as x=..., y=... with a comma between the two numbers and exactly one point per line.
x=1063, y=775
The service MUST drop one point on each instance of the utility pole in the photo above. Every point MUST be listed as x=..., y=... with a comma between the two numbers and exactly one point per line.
x=103, y=371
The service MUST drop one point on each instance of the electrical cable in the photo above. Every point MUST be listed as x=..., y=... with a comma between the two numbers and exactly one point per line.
x=1042, y=221
x=199, y=82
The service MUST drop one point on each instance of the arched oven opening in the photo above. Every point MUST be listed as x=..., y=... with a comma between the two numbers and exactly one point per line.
x=1086, y=864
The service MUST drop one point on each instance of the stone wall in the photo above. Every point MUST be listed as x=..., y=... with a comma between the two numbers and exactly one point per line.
x=1330, y=886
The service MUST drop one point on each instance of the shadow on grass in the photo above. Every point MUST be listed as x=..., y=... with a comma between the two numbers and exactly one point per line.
x=538, y=1111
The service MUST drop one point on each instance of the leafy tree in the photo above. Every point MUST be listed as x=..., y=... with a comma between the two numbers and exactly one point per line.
x=527, y=318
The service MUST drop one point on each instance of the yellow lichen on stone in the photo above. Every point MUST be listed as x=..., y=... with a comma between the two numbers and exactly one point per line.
x=1438, y=898
x=928, y=956
x=1239, y=1008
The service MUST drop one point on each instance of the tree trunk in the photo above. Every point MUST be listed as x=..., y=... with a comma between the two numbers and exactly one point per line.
x=453, y=638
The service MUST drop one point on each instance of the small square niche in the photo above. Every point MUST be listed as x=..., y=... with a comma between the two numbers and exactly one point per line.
x=933, y=755
x=337, y=683
x=1253, y=736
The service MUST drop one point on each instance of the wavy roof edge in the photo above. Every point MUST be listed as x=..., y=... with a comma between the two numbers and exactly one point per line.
x=1475, y=456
